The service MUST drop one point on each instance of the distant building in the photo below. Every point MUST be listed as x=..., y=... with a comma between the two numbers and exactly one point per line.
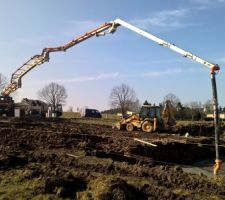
x=211, y=116
x=30, y=107
x=127, y=113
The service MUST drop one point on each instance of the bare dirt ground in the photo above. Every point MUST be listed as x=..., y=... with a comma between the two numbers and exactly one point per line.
x=68, y=160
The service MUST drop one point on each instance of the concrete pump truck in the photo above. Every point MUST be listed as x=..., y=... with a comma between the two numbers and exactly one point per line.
x=6, y=102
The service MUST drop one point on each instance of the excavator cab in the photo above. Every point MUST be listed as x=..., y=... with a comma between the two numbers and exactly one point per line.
x=150, y=117
x=151, y=112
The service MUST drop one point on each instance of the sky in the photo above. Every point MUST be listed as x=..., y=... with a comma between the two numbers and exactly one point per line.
x=92, y=68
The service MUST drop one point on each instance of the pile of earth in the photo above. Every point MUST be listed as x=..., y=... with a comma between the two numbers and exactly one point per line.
x=66, y=160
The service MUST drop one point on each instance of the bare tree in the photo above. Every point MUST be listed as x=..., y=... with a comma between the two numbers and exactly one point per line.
x=208, y=106
x=173, y=99
x=53, y=94
x=196, y=110
x=3, y=82
x=123, y=97
x=70, y=109
x=135, y=106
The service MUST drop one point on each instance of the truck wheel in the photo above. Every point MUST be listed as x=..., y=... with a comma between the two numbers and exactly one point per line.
x=147, y=126
x=129, y=127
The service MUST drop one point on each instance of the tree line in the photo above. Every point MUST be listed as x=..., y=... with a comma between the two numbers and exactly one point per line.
x=53, y=94
x=123, y=98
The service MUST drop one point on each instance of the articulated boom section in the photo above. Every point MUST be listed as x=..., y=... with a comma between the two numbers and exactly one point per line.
x=112, y=26
x=213, y=67
x=44, y=57
x=19, y=73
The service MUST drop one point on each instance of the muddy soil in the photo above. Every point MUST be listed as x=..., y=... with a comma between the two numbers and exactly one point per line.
x=64, y=159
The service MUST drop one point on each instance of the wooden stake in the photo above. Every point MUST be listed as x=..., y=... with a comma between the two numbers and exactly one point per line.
x=71, y=155
x=142, y=141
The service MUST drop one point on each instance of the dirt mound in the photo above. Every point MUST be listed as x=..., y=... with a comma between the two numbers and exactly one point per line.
x=109, y=188
x=66, y=159
x=66, y=186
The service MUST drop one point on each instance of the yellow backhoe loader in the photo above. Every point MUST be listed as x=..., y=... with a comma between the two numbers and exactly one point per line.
x=150, y=118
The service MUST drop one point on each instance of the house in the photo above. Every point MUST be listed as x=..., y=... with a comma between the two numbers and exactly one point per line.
x=30, y=107
x=211, y=116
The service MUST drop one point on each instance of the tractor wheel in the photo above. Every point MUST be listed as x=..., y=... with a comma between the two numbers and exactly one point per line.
x=147, y=126
x=129, y=127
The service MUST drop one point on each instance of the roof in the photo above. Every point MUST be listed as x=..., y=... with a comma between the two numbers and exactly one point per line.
x=32, y=102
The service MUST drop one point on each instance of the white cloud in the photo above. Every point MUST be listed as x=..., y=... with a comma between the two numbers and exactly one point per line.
x=207, y=4
x=177, y=18
x=75, y=26
x=170, y=71
x=102, y=76
x=83, y=23
x=116, y=75
x=72, y=27
x=165, y=19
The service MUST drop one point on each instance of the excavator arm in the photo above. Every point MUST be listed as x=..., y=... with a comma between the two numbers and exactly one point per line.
x=36, y=60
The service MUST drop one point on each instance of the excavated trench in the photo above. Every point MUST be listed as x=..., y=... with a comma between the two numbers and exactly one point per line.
x=103, y=142
x=69, y=155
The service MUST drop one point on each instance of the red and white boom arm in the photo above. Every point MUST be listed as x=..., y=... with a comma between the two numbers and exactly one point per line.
x=36, y=60
x=44, y=57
